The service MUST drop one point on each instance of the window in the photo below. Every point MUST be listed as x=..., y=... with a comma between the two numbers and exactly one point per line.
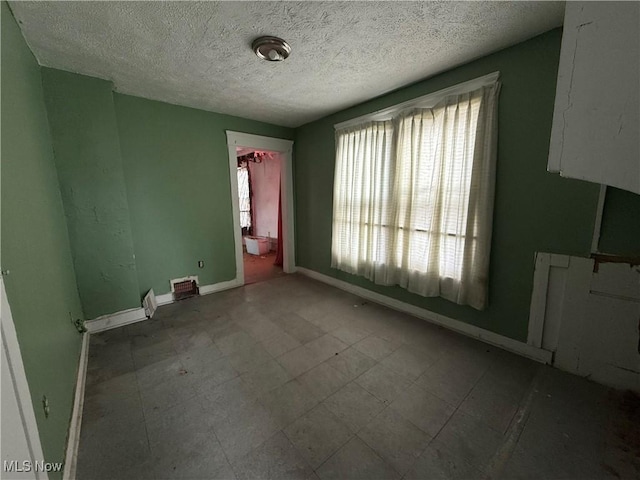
x=413, y=195
x=244, y=195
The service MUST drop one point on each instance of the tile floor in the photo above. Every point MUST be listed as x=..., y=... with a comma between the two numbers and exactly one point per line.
x=291, y=378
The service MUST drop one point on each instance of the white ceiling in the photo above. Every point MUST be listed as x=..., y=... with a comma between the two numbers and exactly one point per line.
x=198, y=53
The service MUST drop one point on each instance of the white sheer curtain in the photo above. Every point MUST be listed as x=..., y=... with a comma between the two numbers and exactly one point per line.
x=361, y=201
x=413, y=198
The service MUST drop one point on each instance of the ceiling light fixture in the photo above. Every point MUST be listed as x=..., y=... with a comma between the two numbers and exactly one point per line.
x=272, y=49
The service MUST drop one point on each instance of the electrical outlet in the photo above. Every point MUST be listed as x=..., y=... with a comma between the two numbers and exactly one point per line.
x=45, y=406
x=200, y=263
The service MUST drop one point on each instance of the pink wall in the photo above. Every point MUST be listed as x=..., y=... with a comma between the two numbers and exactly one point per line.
x=265, y=184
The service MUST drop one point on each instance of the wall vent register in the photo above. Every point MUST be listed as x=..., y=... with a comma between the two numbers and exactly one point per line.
x=185, y=289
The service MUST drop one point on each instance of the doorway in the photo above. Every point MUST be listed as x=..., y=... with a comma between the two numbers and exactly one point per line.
x=259, y=202
x=262, y=197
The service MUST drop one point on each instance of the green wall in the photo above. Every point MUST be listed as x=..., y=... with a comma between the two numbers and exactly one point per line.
x=89, y=164
x=534, y=210
x=620, y=231
x=139, y=192
x=41, y=286
x=145, y=186
x=176, y=168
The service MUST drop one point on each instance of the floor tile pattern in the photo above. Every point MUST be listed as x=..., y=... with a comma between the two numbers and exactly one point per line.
x=293, y=379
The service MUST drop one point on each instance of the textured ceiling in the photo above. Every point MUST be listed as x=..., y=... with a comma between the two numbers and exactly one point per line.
x=198, y=53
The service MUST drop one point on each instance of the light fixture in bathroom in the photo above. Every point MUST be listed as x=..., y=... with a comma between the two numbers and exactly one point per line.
x=272, y=49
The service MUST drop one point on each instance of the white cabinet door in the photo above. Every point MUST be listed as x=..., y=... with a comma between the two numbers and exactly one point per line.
x=595, y=123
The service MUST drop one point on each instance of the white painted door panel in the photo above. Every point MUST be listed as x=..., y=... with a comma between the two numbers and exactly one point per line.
x=15, y=446
x=590, y=320
x=595, y=128
x=20, y=439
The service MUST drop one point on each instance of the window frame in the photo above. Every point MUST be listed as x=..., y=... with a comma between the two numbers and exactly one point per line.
x=425, y=101
x=359, y=253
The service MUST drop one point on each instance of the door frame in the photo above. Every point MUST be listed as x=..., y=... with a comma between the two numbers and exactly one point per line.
x=25, y=432
x=285, y=148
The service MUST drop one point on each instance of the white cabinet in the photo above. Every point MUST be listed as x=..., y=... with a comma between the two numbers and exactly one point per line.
x=595, y=122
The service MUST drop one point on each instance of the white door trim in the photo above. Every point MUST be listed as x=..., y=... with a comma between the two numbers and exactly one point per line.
x=538, y=308
x=19, y=378
x=285, y=147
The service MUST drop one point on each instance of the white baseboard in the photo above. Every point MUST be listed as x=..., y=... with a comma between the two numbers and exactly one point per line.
x=167, y=298
x=133, y=315
x=73, y=437
x=114, y=320
x=219, y=287
x=164, y=299
x=467, y=329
